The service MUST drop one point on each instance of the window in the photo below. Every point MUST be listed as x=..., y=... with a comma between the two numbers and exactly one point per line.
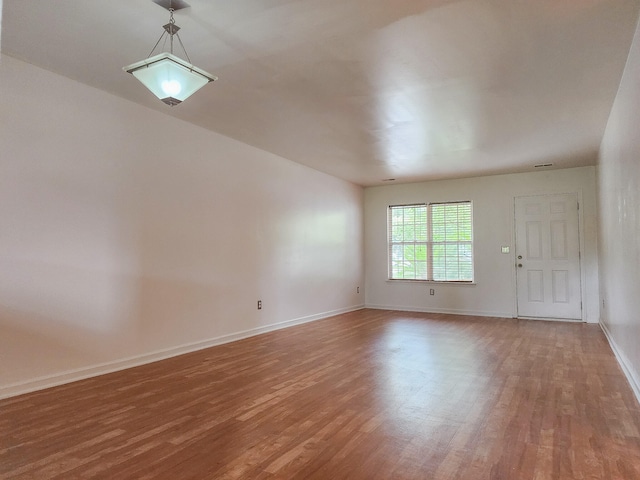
x=432, y=242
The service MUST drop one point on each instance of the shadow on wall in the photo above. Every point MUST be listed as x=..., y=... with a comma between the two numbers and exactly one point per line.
x=27, y=351
x=64, y=319
x=55, y=318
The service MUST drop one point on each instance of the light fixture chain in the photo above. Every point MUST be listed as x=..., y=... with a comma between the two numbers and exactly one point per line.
x=172, y=22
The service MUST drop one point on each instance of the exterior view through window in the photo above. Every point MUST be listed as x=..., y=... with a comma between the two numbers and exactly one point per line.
x=432, y=242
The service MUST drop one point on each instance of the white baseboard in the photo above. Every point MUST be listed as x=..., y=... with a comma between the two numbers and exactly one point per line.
x=628, y=370
x=69, y=376
x=448, y=311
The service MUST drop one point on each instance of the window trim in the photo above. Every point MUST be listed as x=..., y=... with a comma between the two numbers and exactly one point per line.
x=429, y=243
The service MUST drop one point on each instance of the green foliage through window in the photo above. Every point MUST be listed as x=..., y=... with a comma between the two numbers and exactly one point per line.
x=431, y=242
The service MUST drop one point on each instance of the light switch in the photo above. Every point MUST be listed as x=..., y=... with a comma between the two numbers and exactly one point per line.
x=505, y=249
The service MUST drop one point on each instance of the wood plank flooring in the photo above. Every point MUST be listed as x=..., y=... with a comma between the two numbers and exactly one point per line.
x=365, y=395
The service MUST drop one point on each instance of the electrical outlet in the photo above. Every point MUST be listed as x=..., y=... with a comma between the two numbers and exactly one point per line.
x=432, y=291
x=259, y=304
x=603, y=303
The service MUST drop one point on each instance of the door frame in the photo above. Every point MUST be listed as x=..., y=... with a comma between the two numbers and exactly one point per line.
x=581, y=243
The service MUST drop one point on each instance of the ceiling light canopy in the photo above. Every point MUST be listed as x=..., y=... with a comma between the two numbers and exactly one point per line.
x=169, y=77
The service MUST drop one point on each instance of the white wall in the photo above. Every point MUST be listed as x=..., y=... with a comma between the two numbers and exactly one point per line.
x=619, y=203
x=127, y=235
x=494, y=293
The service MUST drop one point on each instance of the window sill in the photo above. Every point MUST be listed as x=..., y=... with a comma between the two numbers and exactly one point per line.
x=431, y=282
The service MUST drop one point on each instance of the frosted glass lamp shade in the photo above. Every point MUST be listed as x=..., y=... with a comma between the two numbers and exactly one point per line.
x=169, y=78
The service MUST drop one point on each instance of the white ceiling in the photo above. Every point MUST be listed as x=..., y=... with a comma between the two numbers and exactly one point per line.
x=364, y=90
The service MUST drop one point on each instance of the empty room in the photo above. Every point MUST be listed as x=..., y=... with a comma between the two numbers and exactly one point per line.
x=320, y=239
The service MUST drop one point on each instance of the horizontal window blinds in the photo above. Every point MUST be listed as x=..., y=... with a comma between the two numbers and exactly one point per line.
x=408, y=242
x=431, y=242
x=451, y=245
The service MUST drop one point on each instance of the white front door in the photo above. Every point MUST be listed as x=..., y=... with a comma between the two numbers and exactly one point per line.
x=548, y=256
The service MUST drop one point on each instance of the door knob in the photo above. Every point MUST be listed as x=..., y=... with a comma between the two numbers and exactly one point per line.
x=519, y=265
x=519, y=257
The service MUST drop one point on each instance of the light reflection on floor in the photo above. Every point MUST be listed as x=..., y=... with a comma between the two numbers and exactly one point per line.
x=415, y=382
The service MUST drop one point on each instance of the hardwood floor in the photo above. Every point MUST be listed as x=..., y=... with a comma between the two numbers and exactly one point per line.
x=365, y=395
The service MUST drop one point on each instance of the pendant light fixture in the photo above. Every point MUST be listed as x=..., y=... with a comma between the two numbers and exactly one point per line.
x=169, y=77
